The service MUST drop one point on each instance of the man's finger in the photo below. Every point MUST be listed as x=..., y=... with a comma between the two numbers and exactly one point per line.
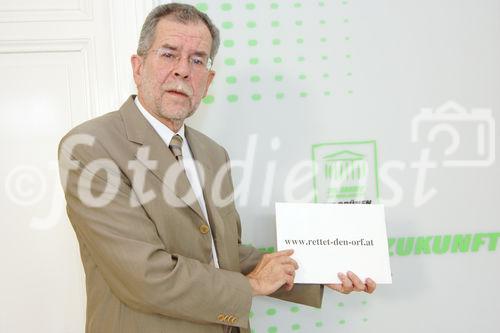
x=289, y=269
x=370, y=286
x=267, y=257
x=289, y=282
x=288, y=252
x=346, y=283
x=284, y=260
x=336, y=287
x=356, y=281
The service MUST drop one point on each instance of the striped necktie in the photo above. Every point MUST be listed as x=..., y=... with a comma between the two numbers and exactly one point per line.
x=176, y=147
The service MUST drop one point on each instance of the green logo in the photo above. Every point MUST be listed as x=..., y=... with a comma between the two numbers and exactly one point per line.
x=345, y=172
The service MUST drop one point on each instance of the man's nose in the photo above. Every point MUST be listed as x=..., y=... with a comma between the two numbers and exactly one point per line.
x=182, y=69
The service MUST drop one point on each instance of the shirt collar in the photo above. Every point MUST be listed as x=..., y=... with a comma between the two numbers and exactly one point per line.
x=163, y=131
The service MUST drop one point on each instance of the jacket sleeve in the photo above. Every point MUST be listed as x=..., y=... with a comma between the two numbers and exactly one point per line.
x=123, y=242
x=307, y=294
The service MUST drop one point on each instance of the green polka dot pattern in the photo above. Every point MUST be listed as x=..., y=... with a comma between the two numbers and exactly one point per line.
x=230, y=61
x=232, y=98
x=256, y=97
x=209, y=99
x=271, y=312
x=231, y=79
x=226, y=6
x=229, y=43
x=255, y=78
x=227, y=25
x=202, y=6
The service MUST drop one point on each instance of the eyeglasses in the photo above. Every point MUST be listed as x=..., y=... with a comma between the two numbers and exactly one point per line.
x=170, y=57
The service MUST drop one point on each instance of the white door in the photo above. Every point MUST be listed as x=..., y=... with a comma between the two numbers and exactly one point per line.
x=62, y=62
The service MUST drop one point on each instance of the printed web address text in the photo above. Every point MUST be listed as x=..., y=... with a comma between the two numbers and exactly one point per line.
x=330, y=242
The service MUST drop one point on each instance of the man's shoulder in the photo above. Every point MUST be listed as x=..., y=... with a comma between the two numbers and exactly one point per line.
x=206, y=145
x=95, y=136
x=107, y=127
x=201, y=137
x=99, y=126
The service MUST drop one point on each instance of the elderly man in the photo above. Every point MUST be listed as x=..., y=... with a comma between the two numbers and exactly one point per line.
x=161, y=251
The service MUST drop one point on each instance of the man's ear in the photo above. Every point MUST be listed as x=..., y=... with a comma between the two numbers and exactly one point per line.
x=137, y=62
x=211, y=75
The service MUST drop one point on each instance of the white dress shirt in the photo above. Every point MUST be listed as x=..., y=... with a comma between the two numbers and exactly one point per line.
x=187, y=160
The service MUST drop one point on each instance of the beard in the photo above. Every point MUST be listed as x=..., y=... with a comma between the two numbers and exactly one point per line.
x=177, y=113
x=174, y=108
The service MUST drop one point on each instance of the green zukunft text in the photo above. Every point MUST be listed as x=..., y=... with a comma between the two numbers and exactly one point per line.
x=441, y=244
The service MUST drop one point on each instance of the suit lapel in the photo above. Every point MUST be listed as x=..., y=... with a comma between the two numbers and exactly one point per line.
x=140, y=131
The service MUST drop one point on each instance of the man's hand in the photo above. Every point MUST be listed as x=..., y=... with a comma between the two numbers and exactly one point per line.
x=351, y=282
x=273, y=271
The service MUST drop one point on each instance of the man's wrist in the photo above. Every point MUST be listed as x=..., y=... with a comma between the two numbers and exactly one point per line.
x=255, y=286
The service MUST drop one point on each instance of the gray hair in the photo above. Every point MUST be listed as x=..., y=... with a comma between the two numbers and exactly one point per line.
x=182, y=13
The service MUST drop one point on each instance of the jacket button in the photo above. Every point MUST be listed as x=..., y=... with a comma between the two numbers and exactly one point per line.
x=204, y=229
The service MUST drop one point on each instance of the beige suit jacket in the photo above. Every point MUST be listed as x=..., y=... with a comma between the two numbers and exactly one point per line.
x=147, y=265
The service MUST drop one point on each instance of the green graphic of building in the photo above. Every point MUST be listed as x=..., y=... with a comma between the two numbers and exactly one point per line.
x=346, y=172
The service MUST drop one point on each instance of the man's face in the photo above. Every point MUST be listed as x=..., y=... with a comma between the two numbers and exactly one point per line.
x=170, y=83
